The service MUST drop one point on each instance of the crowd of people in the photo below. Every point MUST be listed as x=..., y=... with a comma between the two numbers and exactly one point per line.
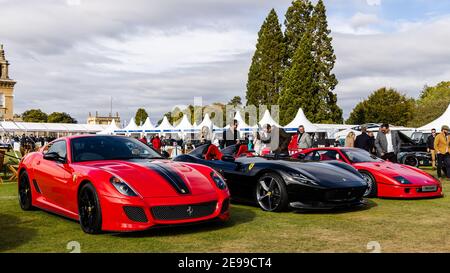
x=28, y=143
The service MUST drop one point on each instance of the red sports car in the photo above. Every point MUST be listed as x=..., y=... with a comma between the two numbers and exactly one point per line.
x=112, y=183
x=385, y=179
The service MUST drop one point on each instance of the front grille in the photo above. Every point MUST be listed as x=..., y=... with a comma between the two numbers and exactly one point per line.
x=136, y=214
x=344, y=194
x=183, y=212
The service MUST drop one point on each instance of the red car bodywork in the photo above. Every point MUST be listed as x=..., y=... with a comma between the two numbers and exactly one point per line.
x=384, y=173
x=55, y=188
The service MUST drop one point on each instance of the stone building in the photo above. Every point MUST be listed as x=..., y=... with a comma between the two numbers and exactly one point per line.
x=102, y=120
x=6, y=89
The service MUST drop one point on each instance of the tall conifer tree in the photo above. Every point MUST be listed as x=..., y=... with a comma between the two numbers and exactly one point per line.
x=266, y=71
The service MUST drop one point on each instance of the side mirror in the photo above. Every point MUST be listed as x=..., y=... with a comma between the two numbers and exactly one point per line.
x=54, y=157
x=165, y=154
x=301, y=156
x=228, y=158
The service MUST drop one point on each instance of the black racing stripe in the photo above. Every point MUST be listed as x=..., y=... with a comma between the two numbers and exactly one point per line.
x=171, y=176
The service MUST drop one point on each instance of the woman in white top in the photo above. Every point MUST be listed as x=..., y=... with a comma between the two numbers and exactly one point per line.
x=257, y=145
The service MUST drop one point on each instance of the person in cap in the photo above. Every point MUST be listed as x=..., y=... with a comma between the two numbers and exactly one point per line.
x=363, y=140
x=442, y=148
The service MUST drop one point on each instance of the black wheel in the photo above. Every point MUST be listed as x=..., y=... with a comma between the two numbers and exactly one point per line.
x=372, y=190
x=25, y=192
x=411, y=160
x=271, y=193
x=89, y=210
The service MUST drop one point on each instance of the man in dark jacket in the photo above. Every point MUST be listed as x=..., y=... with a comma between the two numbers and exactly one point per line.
x=231, y=135
x=363, y=140
x=430, y=146
x=277, y=139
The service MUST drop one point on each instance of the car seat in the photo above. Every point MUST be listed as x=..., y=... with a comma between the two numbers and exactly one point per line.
x=213, y=153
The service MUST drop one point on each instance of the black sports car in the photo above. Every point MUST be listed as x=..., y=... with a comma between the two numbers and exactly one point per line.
x=413, y=151
x=276, y=185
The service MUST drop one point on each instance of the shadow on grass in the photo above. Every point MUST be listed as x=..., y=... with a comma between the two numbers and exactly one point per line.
x=239, y=215
x=369, y=203
x=12, y=235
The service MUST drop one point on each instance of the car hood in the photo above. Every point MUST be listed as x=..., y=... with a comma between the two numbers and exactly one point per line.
x=415, y=176
x=159, y=178
x=328, y=175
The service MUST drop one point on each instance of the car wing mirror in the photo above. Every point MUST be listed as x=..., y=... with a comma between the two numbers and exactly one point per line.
x=301, y=156
x=165, y=154
x=54, y=157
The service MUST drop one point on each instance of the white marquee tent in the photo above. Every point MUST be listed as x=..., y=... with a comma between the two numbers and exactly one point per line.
x=267, y=119
x=300, y=119
x=148, y=127
x=184, y=125
x=438, y=123
x=110, y=129
x=132, y=127
x=166, y=127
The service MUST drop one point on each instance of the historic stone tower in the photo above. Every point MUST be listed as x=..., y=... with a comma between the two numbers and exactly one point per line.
x=6, y=89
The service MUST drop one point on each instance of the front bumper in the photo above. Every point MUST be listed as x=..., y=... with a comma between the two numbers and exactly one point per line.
x=305, y=197
x=406, y=192
x=115, y=218
x=328, y=206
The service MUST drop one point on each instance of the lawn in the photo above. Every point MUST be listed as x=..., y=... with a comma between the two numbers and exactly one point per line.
x=398, y=226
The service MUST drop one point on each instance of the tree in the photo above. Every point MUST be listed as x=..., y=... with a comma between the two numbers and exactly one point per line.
x=298, y=17
x=325, y=59
x=299, y=85
x=235, y=101
x=34, y=115
x=432, y=104
x=58, y=117
x=141, y=116
x=383, y=106
x=266, y=71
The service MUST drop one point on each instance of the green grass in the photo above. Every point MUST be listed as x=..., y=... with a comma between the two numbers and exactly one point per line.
x=399, y=226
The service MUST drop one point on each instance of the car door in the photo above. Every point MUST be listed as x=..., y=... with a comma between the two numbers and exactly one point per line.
x=53, y=176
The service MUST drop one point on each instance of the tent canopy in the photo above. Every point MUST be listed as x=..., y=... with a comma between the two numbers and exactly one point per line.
x=148, y=127
x=132, y=127
x=185, y=125
x=267, y=119
x=112, y=127
x=300, y=119
x=166, y=127
x=439, y=122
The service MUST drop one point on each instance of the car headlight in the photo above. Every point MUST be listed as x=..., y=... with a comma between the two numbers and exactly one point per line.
x=303, y=179
x=217, y=178
x=121, y=186
x=402, y=180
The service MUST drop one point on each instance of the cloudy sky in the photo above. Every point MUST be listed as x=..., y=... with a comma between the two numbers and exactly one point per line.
x=73, y=55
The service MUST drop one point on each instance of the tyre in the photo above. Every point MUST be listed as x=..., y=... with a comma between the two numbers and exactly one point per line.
x=25, y=199
x=372, y=190
x=411, y=160
x=89, y=210
x=271, y=193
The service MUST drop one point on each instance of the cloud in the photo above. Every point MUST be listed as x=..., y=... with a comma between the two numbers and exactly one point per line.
x=73, y=55
x=406, y=59
x=373, y=2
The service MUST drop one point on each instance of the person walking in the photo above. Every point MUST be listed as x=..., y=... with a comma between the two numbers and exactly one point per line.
x=388, y=144
x=430, y=148
x=350, y=140
x=442, y=148
x=363, y=140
